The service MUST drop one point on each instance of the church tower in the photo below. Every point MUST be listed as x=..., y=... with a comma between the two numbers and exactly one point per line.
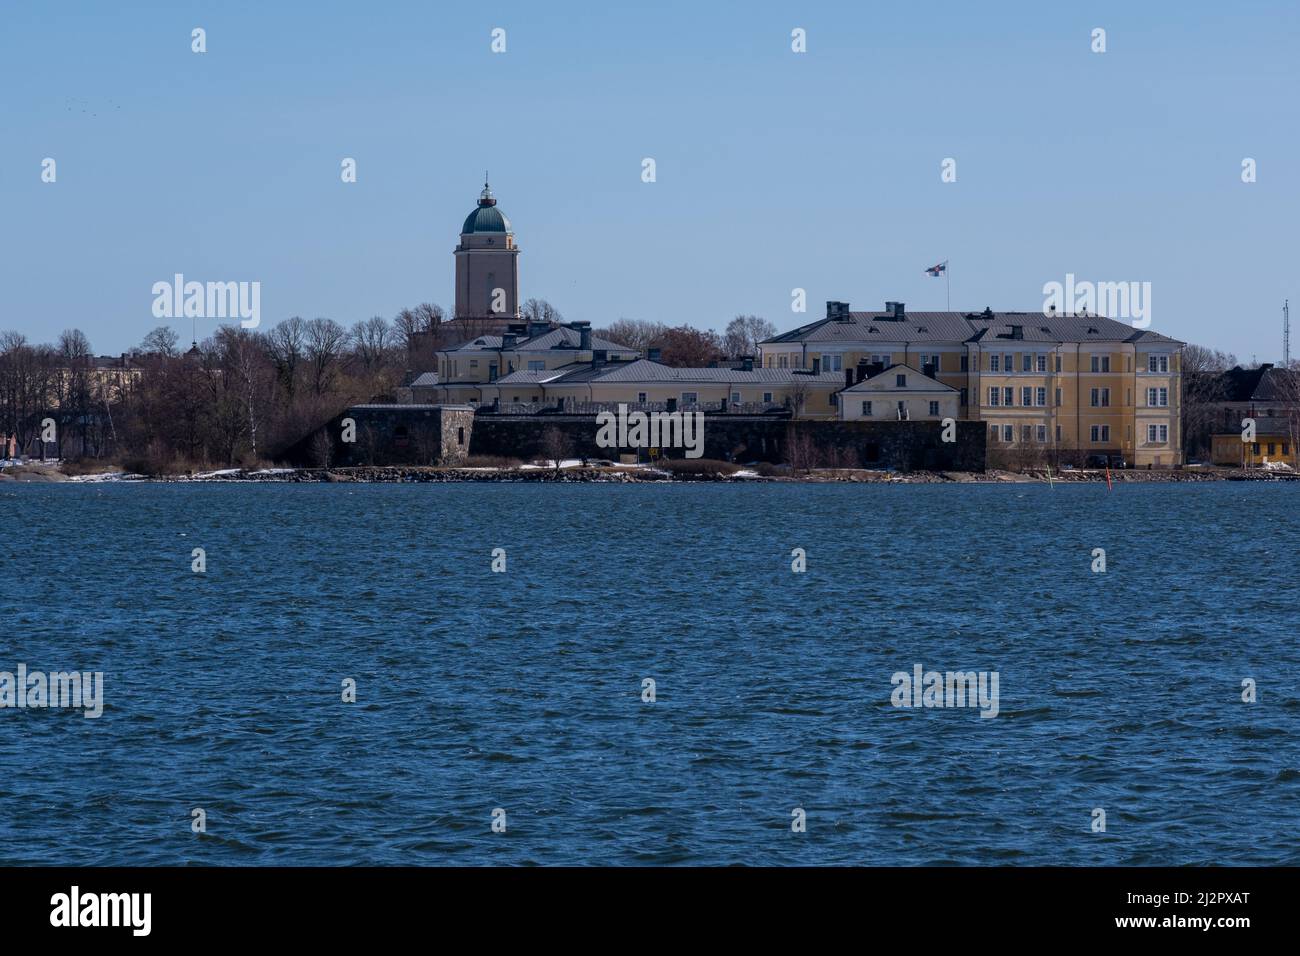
x=487, y=266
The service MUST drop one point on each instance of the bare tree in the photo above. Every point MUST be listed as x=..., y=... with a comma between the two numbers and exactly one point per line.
x=243, y=356
x=74, y=384
x=161, y=341
x=1286, y=386
x=634, y=333
x=539, y=310
x=744, y=332
x=1204, y=389
x=372, y=340
x=801, y=451
x=797, y=395
x=286, y=344
x=555, y=446
x=325, y=343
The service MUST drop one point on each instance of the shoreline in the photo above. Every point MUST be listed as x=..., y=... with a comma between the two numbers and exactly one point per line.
x=400, y=474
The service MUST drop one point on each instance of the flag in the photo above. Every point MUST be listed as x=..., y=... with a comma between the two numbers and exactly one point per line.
x=938, y=270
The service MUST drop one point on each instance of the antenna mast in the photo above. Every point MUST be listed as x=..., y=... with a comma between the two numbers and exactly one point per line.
x=1286, y=333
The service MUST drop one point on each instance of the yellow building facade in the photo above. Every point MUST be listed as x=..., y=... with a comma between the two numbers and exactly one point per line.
x=1055, y=386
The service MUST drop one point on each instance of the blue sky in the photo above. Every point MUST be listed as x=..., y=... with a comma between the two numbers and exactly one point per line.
x=775, y=170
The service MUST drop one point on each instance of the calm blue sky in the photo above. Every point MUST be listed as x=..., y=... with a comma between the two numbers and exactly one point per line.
x=775, y=170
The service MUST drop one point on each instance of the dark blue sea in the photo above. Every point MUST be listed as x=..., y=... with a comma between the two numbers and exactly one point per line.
x=522, y=690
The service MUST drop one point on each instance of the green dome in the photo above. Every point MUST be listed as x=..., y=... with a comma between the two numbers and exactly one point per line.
x=487, y=217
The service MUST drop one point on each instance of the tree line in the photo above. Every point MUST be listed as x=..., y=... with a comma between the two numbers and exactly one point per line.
x=242, y=396
x=238, y=397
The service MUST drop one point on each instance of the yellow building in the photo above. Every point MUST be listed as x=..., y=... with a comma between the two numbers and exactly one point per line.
x=1052, y=386
x=1274, y=443
x=583, y=387
x=463, y=371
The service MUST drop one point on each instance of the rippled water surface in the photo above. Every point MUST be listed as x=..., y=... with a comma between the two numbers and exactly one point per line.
x=522, y=690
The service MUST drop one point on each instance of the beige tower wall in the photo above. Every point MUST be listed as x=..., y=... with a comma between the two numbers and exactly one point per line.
x=484, y=263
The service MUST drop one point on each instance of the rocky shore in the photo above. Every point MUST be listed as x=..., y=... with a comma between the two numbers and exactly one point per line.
x=626, y=475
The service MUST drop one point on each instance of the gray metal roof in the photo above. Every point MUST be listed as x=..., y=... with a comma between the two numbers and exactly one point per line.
x=553, y=339
x=644, y=371
x=923, y=381
x=984, y=328
x=425, y=380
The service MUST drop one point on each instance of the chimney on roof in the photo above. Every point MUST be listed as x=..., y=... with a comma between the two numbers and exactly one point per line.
x=862, y=369
x=519, y=328
x=900, y=312
x=848, y=377
x=839, y=311
x=747, y=363
x=653, y=354
x=1017, y=331
x=598, y=356
x=538, y=328
x=584, y=334
x=875, y=368
x=930, y=370
x=508, y=340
